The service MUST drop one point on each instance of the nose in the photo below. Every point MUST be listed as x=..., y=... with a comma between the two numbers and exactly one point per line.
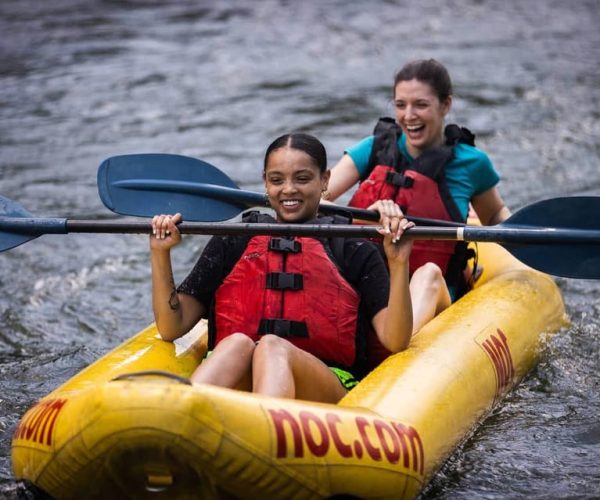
x=409, y=111
x=289, y=186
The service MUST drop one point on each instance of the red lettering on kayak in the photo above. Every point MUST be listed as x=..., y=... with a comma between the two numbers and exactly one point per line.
x=385, y=433
x=496, y=347
x=496, y=361
x=318, y=450
x=502, y=346
x=409, y=435
x=38, y=423
x=279, y=418
x=361, y=424
x=344, y=449
x=374, y=438
x=358, y=449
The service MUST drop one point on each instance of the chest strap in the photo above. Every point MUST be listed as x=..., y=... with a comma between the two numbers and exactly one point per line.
x=285, y=281
x=397, y=179
x=283, y=328
x=285, y=245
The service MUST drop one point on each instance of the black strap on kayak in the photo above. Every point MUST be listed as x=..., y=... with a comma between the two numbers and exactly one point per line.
x=152, y=373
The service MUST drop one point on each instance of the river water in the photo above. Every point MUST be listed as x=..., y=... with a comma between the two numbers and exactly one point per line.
x=81, y=81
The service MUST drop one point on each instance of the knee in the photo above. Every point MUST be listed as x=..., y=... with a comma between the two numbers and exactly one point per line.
x=272, y=345
x=429, y=274
x=428, y=280
x=239, y=342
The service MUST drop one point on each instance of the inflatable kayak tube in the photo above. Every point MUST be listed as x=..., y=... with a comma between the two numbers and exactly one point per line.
x=131, y=426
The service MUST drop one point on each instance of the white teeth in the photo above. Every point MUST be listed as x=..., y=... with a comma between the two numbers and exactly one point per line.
x=412, y=128
x=289, y=203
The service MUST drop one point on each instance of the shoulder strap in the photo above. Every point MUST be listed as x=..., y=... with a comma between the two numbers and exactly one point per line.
x=335, y=246
x=455, y=134
x=236, y=245
x=432, y=161
x=254, y=216
x=385, y=146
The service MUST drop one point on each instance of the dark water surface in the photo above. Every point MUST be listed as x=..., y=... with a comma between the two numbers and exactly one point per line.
x=84, y=80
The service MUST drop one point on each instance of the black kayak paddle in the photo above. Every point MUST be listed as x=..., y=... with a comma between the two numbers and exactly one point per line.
x=558, y=236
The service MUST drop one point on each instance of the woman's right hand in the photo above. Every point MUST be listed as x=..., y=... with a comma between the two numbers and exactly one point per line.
x=165, y=234
x=393, y=224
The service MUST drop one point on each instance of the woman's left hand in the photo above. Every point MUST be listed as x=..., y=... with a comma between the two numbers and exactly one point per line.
x=393, y=224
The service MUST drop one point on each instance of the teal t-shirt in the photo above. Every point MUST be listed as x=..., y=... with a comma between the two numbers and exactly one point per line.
x=469, y=173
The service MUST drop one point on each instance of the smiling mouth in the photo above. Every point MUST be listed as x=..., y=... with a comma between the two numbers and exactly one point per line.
x=290, y=203
x=414, y=128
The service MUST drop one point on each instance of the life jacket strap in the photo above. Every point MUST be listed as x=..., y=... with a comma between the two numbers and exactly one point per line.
x=285, y=281
x=283, y=328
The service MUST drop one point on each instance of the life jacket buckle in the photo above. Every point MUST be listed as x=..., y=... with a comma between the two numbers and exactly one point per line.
x=399, y=180
x=285, y=281
x=283, y=328
x=285, y=245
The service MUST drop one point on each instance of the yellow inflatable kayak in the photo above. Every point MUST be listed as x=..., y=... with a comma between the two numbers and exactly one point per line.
x=129, y=426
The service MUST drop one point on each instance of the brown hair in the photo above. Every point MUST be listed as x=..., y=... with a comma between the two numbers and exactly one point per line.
x=428, y=71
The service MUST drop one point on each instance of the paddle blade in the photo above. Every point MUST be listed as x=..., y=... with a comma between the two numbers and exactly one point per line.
x=148, y=184
x=9, y=239
x=571, y=259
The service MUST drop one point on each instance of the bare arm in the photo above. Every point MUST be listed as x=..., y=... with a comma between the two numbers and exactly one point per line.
x=490, y=207
x=343, y=176
x=175, y=314
x=394, y=323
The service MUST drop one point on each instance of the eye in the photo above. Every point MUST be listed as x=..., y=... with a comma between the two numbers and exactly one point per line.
x=275, y=180
x=400, y=105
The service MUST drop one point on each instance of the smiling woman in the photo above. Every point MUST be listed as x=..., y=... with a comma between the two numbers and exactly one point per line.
x=285, y=311
x=430, y=171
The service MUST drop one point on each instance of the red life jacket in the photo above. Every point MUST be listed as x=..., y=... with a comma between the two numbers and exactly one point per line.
x=290, y=288
x=420, y=189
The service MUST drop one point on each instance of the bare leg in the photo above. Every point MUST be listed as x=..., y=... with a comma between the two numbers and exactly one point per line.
x=281, y=369
x=229, y=365
x=429, y=294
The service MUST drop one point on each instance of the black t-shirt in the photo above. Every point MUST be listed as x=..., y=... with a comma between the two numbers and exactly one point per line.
x=363, y=267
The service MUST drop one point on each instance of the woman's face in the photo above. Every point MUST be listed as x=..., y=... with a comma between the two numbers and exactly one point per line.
x=420, y=114
x=294, y=184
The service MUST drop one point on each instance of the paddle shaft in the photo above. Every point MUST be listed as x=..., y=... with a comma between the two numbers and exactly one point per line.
x=558, y=236
x=496, y=234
